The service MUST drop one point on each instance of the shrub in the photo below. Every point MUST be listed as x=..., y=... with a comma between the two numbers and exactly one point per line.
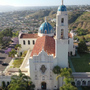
x=24, y=54
x=3, y=84
x=56, y=70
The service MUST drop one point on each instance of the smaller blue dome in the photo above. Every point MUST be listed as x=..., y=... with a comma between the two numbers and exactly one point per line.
x=46, y=28
x=62, y=8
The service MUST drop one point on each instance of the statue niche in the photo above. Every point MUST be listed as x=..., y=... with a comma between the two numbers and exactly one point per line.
x=43, y=68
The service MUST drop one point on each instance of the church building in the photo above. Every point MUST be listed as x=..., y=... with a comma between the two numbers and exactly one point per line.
x=48, y=50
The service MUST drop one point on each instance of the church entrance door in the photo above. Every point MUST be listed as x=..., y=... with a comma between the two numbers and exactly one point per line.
x=43, y=85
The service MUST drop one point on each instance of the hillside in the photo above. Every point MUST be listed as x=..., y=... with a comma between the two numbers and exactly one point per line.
x=83, y=21
x=77, y=19
x=39, y=14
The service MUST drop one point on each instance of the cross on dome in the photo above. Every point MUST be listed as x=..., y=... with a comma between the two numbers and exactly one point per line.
x=45, y=19
x=62, y=2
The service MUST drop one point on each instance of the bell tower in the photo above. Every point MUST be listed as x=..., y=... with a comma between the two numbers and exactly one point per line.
x=62, y=36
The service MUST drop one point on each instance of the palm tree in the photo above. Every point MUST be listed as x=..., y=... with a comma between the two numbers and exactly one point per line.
x=64, y=72
x=68, y=80
x=17, y=47
x=68, y=86
x=12, y=53
x=21, y=82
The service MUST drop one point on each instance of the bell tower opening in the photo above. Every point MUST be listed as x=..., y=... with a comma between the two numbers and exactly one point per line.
x=62, y=20
x=43, y=85
x=62, y=33
x=45, y=31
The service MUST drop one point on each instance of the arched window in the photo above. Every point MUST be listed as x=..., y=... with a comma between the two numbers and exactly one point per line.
x=35, y=77
x=8, y=83
x=43, y=78
x=33, y=42
x=83, y=83
x=88, y=83
x=51, y=31
x=62, y=20
x=62, y=33
x=45, y=31
x=23, y=42
x=78, y=83
x=28, y=42
x=50, y=77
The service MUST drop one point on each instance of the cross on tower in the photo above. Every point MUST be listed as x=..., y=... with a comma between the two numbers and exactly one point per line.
x=45, y=19
x=62, y=2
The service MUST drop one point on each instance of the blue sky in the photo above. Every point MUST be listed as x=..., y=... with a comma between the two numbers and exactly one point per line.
x=43, y=2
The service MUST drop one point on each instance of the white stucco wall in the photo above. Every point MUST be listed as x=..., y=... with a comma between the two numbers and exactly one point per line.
x=62, y=52
x=26, y=46
x=35, y=64
x=5, y=79
x=71, y=47
x=41, y=34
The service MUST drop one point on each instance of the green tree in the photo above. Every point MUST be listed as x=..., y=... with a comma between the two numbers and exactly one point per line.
x=81, y=31
x=21, y=82
x=18, y=46
x=65, y=72
x=3, y=84
x=82, y=47
x=68, y=86
x=68, y=79
x=12, y=53
x=56, y=70
x=15, y=34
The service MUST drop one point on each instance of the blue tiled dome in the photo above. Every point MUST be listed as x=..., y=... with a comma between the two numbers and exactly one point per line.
x=62, y=8
x=46, y=28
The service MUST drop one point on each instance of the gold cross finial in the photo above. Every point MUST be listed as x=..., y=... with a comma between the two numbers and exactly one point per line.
x=45, y=19
x=62, y=2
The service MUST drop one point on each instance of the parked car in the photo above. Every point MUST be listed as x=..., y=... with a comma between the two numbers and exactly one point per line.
x=5, y=64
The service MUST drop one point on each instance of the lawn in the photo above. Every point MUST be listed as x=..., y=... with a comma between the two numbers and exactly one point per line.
x=17, y=62
x=82, y=64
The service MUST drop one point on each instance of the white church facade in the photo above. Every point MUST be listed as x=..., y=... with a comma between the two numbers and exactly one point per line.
x=48, y=50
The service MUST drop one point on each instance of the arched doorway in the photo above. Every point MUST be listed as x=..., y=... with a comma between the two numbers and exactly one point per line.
x=78, y=83
x=43, y=85
x=83, y=83
x=88, y=83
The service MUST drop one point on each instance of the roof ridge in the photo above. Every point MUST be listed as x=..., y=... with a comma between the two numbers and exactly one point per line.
x=44, y=42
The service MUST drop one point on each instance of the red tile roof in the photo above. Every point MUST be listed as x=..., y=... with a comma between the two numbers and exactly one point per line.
x=69, y=35
x=29, y=36
x=45, y=42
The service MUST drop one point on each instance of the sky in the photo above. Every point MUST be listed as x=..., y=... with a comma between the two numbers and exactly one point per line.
x=43, y=2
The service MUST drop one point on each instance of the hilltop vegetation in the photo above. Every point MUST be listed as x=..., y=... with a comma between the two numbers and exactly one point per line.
x=39, y=14
x=77, y=19
x=82, y=21
x=31, y=20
